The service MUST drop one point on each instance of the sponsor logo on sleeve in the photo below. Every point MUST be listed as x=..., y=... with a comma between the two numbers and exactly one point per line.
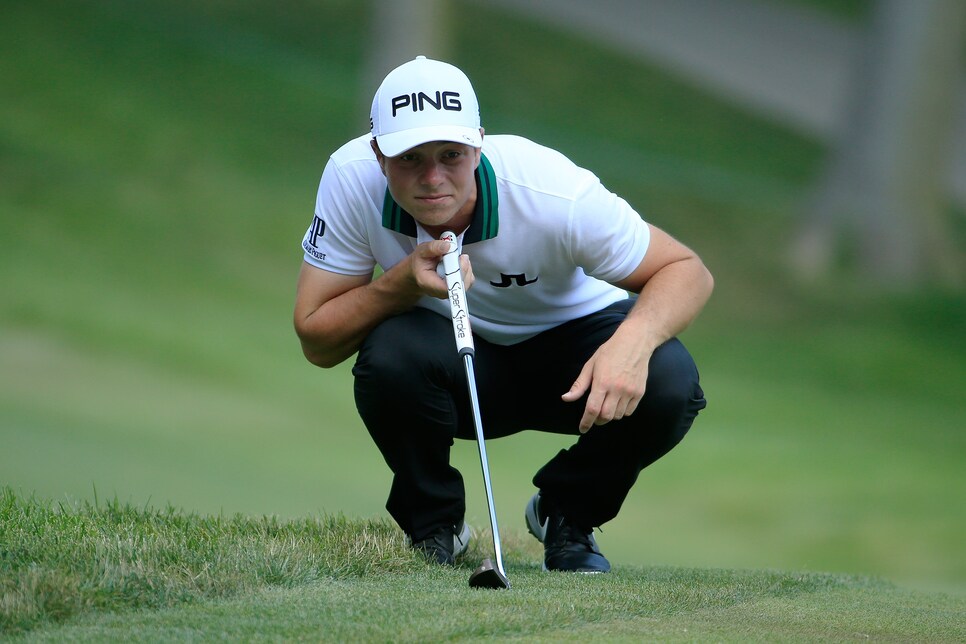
x=310, y=244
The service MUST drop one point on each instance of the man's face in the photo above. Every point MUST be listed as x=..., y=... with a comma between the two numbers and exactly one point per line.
x=434, y=182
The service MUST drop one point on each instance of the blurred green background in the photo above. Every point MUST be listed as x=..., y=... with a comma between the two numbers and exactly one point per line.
x=158, y=166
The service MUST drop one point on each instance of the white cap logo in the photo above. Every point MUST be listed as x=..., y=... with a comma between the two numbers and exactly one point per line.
x=424, y=100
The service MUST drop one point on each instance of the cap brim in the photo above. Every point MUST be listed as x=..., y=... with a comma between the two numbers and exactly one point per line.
x=396, y=143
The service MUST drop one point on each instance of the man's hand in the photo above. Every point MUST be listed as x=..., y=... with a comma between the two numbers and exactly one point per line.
x=334, y=313
x=423, y=263
x=616, y=376
x=672, y=285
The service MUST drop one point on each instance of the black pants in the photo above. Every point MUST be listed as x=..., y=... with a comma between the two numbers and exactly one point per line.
x=411, y=392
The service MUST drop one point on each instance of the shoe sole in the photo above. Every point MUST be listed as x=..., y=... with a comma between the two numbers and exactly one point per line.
x=537, y=529
x=461, y=541
x=534, y=527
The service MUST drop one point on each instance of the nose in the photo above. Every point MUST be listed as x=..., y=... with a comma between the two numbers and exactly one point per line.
x=431, y=175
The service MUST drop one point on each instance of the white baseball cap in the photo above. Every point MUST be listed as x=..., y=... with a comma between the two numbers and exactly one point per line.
x=424, y=100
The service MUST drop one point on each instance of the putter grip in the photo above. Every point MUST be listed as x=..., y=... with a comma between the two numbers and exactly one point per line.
x=457, y=296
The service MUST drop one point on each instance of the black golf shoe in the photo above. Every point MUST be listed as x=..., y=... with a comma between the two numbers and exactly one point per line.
x=566, y=546
x=444, y=544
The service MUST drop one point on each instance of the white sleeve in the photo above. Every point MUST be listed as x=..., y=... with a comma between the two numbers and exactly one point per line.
x=336, y=240
x=608, y=237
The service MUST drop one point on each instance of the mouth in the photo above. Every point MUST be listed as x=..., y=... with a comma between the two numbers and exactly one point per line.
x=433, y=199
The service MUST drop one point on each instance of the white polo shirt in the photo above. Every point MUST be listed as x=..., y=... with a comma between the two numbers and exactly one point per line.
x=546, y=241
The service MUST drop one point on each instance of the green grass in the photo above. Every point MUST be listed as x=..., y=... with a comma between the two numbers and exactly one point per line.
x=62, y=560
x=158, y=167
x=110, y=571
x=845, y=10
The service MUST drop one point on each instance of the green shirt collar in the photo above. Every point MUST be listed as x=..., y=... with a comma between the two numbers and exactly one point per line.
x=486, y=220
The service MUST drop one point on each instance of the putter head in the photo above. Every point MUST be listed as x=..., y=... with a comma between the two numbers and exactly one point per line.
x=487, y=576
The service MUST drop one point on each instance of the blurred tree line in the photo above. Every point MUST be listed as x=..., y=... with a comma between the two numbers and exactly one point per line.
x=883, y=208
x=884, y=194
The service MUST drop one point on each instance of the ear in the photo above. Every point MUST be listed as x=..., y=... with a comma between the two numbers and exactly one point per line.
x=380, y=157
x=478, y=151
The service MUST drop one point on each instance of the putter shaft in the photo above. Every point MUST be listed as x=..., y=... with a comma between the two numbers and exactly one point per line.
x=478, y=425
x=464, y=345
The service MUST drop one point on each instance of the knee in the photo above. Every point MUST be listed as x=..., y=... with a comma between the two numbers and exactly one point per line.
x=401, y=349
x=385, y=352
x=673, y=383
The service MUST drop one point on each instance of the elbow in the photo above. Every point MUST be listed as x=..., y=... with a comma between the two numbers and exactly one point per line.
x=314, y=353
x=708, y=280
x=318, y=358
x=704, y=285
x=317, y=355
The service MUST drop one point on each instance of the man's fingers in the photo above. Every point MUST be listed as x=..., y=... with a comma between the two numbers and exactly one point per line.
x=591, y=415
x=426, y=261
x=466, y=268
x=631, y=406
x=603, y=413
x=442, y=245
x=610, y=408
x=620, y=410
x=434, y=249
x=579, y=388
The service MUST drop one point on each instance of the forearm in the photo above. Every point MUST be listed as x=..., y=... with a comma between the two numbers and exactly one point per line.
x=335, y=330
x=670, y=300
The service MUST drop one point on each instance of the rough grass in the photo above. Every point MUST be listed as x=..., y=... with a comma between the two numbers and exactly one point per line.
x=109, y=571
x=62, y=559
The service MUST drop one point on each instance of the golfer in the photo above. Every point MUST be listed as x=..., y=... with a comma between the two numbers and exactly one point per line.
x=575, y=305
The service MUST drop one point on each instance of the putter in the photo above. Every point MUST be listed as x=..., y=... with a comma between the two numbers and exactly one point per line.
x=487, y=575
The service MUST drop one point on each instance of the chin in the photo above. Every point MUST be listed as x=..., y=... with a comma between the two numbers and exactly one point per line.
x=434, y=219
